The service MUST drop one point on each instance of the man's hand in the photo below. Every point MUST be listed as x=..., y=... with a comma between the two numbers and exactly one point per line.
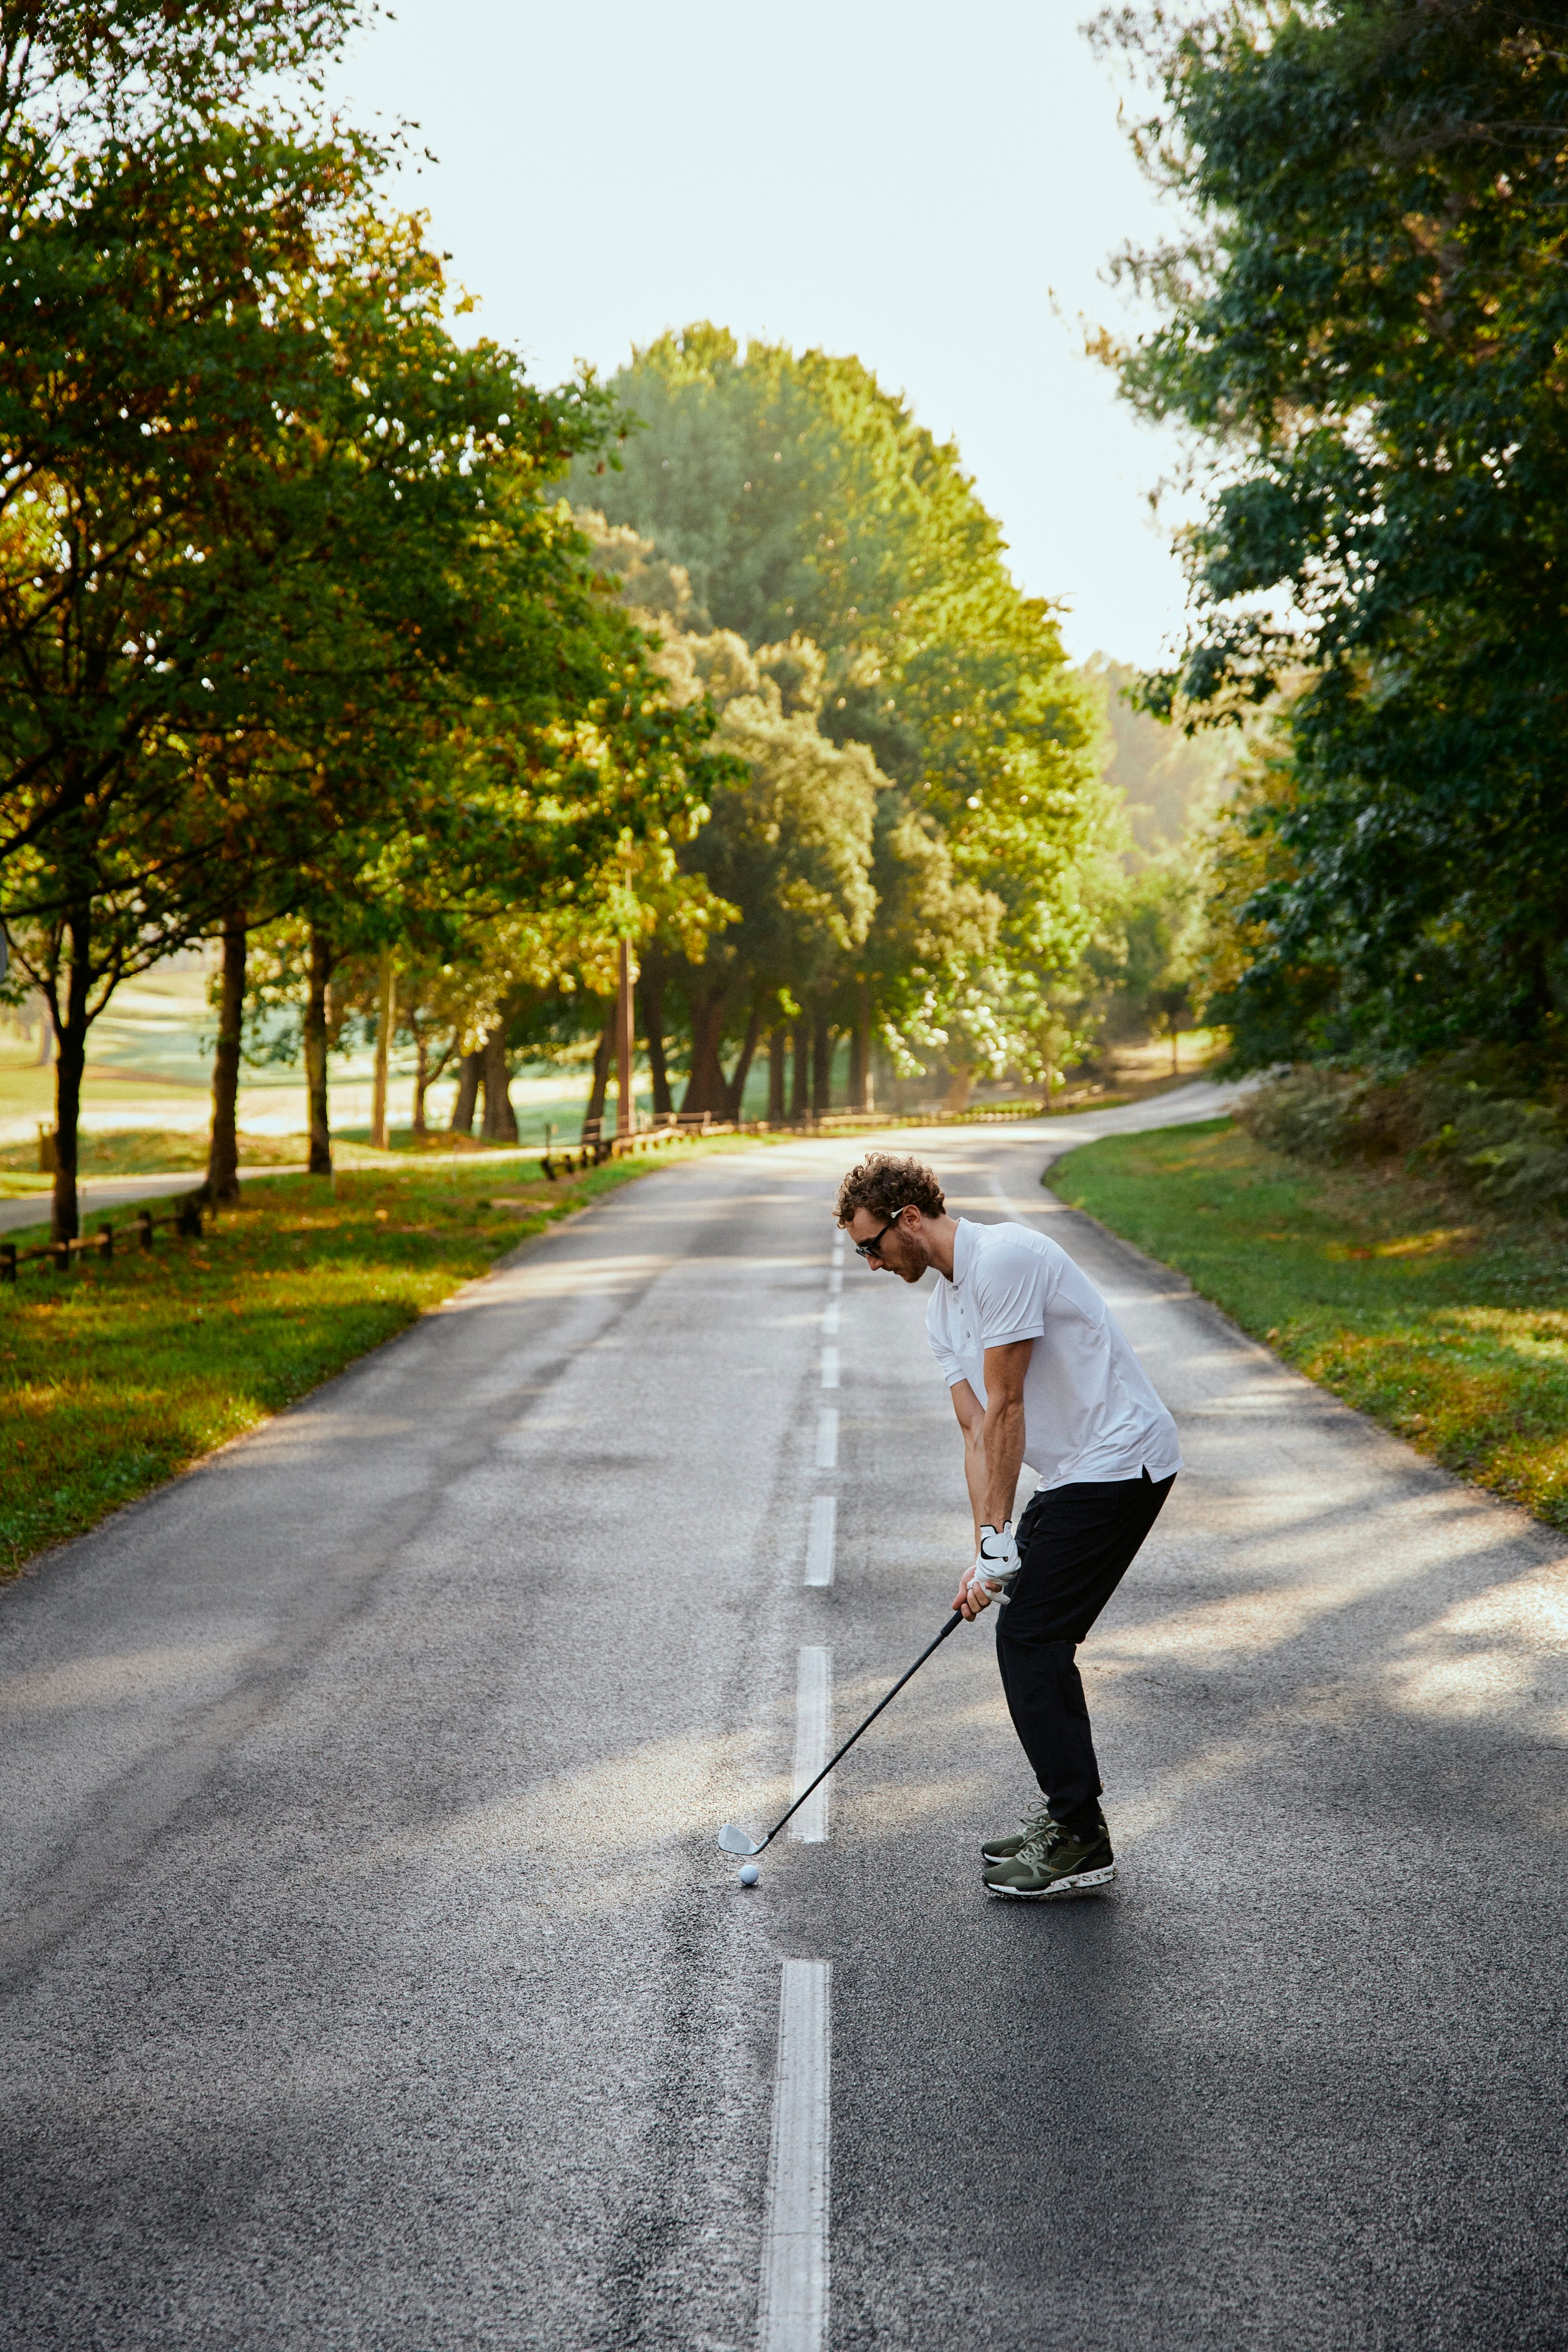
x=995, y=1566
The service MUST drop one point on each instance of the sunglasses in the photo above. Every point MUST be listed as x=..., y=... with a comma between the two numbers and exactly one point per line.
x=873, y=1247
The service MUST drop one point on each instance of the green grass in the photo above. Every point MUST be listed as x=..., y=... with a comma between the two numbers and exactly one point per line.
x=141, y=1151
x=1452, y=1333
x=117, y=1375
x=157, y=1152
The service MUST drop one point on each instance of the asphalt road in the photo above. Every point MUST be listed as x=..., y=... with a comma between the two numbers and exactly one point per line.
x=370, y=1978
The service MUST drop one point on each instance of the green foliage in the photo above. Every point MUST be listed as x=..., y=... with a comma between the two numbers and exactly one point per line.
x=1171, y=783
x=1472, y=1120
x=1367, y=325
x=800, y=503
x=286, y=624
x=1146, y=959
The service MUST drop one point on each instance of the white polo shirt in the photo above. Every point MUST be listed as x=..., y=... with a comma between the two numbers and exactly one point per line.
x=1090, y=1409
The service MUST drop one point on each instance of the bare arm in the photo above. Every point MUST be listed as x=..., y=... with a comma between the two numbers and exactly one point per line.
x=1005, y=1370
x=993, y=1445
x=971, y=1420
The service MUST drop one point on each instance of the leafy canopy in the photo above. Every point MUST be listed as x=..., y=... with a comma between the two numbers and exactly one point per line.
x=1369, y=325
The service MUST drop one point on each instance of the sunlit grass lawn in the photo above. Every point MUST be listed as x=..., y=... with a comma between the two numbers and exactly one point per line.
x=117, y=1375
x=1452, y=1333
x=157, y=1151
x=141, y=1151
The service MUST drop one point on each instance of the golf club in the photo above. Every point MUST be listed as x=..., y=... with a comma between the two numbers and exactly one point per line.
x=735, y=1840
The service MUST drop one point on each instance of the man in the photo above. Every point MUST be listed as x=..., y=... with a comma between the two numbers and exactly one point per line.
x=1039, y=1376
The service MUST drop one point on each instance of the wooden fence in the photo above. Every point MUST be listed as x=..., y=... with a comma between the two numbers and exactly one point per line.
x=183, y=1219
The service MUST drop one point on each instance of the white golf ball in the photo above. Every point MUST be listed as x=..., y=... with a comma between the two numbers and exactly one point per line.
x=750, y=1874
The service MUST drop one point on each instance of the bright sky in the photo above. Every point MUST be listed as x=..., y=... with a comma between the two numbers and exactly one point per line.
x=914, y=184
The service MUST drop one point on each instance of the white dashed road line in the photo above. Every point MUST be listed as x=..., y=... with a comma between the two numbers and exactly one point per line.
x=820, y=1542
x=813, y=1714
x=793, y=2316
x=794, y=2311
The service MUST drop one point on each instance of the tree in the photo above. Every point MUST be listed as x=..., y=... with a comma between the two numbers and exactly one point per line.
x=1172, y=782
x=284, y=616
x=1367, y=326
x=797, y=500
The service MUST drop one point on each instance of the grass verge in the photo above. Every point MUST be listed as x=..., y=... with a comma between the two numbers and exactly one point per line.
x=116, y=1376
x=165, y=1151
x=1453, y=1334
x=141, y=1151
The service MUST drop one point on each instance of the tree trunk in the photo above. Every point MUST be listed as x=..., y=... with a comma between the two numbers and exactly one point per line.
x=499, y=1120
x=736, y=1090
x=467, y=1094
x=321, y=1158
x=706, y=1089
x=776, y=1079
x=861, y=1088
x=960, y=1082
x=1048, y=1083
x=45, y=1053
x=822, y=1041
x=223, y=1152
x=383, y=1048
x=70, y=1061
x=421, y=1084
x=602, y=1053
x=800, y=1070
x=650, y=990
x=625, y=1049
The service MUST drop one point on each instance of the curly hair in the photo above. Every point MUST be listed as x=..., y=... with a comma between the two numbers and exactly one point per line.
x=885, y=1186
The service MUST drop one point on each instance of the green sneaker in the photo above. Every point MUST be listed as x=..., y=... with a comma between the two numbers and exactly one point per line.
x=1004, y=1849
x=1051, y=1862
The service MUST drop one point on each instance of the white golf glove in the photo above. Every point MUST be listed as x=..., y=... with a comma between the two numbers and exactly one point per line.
x=995, y=1566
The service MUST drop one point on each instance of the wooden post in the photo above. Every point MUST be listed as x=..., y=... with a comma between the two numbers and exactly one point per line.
x=106, y=1240
x=145, y=1229
x=382, y=1045
x=626, y=1112
x=7, y=1261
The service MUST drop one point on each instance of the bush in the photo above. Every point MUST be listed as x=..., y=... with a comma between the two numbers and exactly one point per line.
x=1476, y=1121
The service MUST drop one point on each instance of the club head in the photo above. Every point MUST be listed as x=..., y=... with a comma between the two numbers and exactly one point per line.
x=734, y=1841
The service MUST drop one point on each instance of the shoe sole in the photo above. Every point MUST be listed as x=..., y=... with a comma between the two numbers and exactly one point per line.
x=1083, y=1881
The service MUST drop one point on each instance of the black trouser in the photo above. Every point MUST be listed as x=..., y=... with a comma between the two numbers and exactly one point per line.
x=1076, y=1544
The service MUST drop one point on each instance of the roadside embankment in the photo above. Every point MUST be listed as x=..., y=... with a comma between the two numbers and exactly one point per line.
x=1450, y=1329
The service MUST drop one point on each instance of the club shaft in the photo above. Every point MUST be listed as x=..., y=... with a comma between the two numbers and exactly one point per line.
x=952, y=1626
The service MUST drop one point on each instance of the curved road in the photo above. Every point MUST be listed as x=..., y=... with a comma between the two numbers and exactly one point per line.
x=370, y=1977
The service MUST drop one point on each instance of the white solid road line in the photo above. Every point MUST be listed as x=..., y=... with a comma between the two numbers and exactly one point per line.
x=820, y=1542
x=827, y=1439
x=793, y=2316
x=830, y=1368
x=813, y=1712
